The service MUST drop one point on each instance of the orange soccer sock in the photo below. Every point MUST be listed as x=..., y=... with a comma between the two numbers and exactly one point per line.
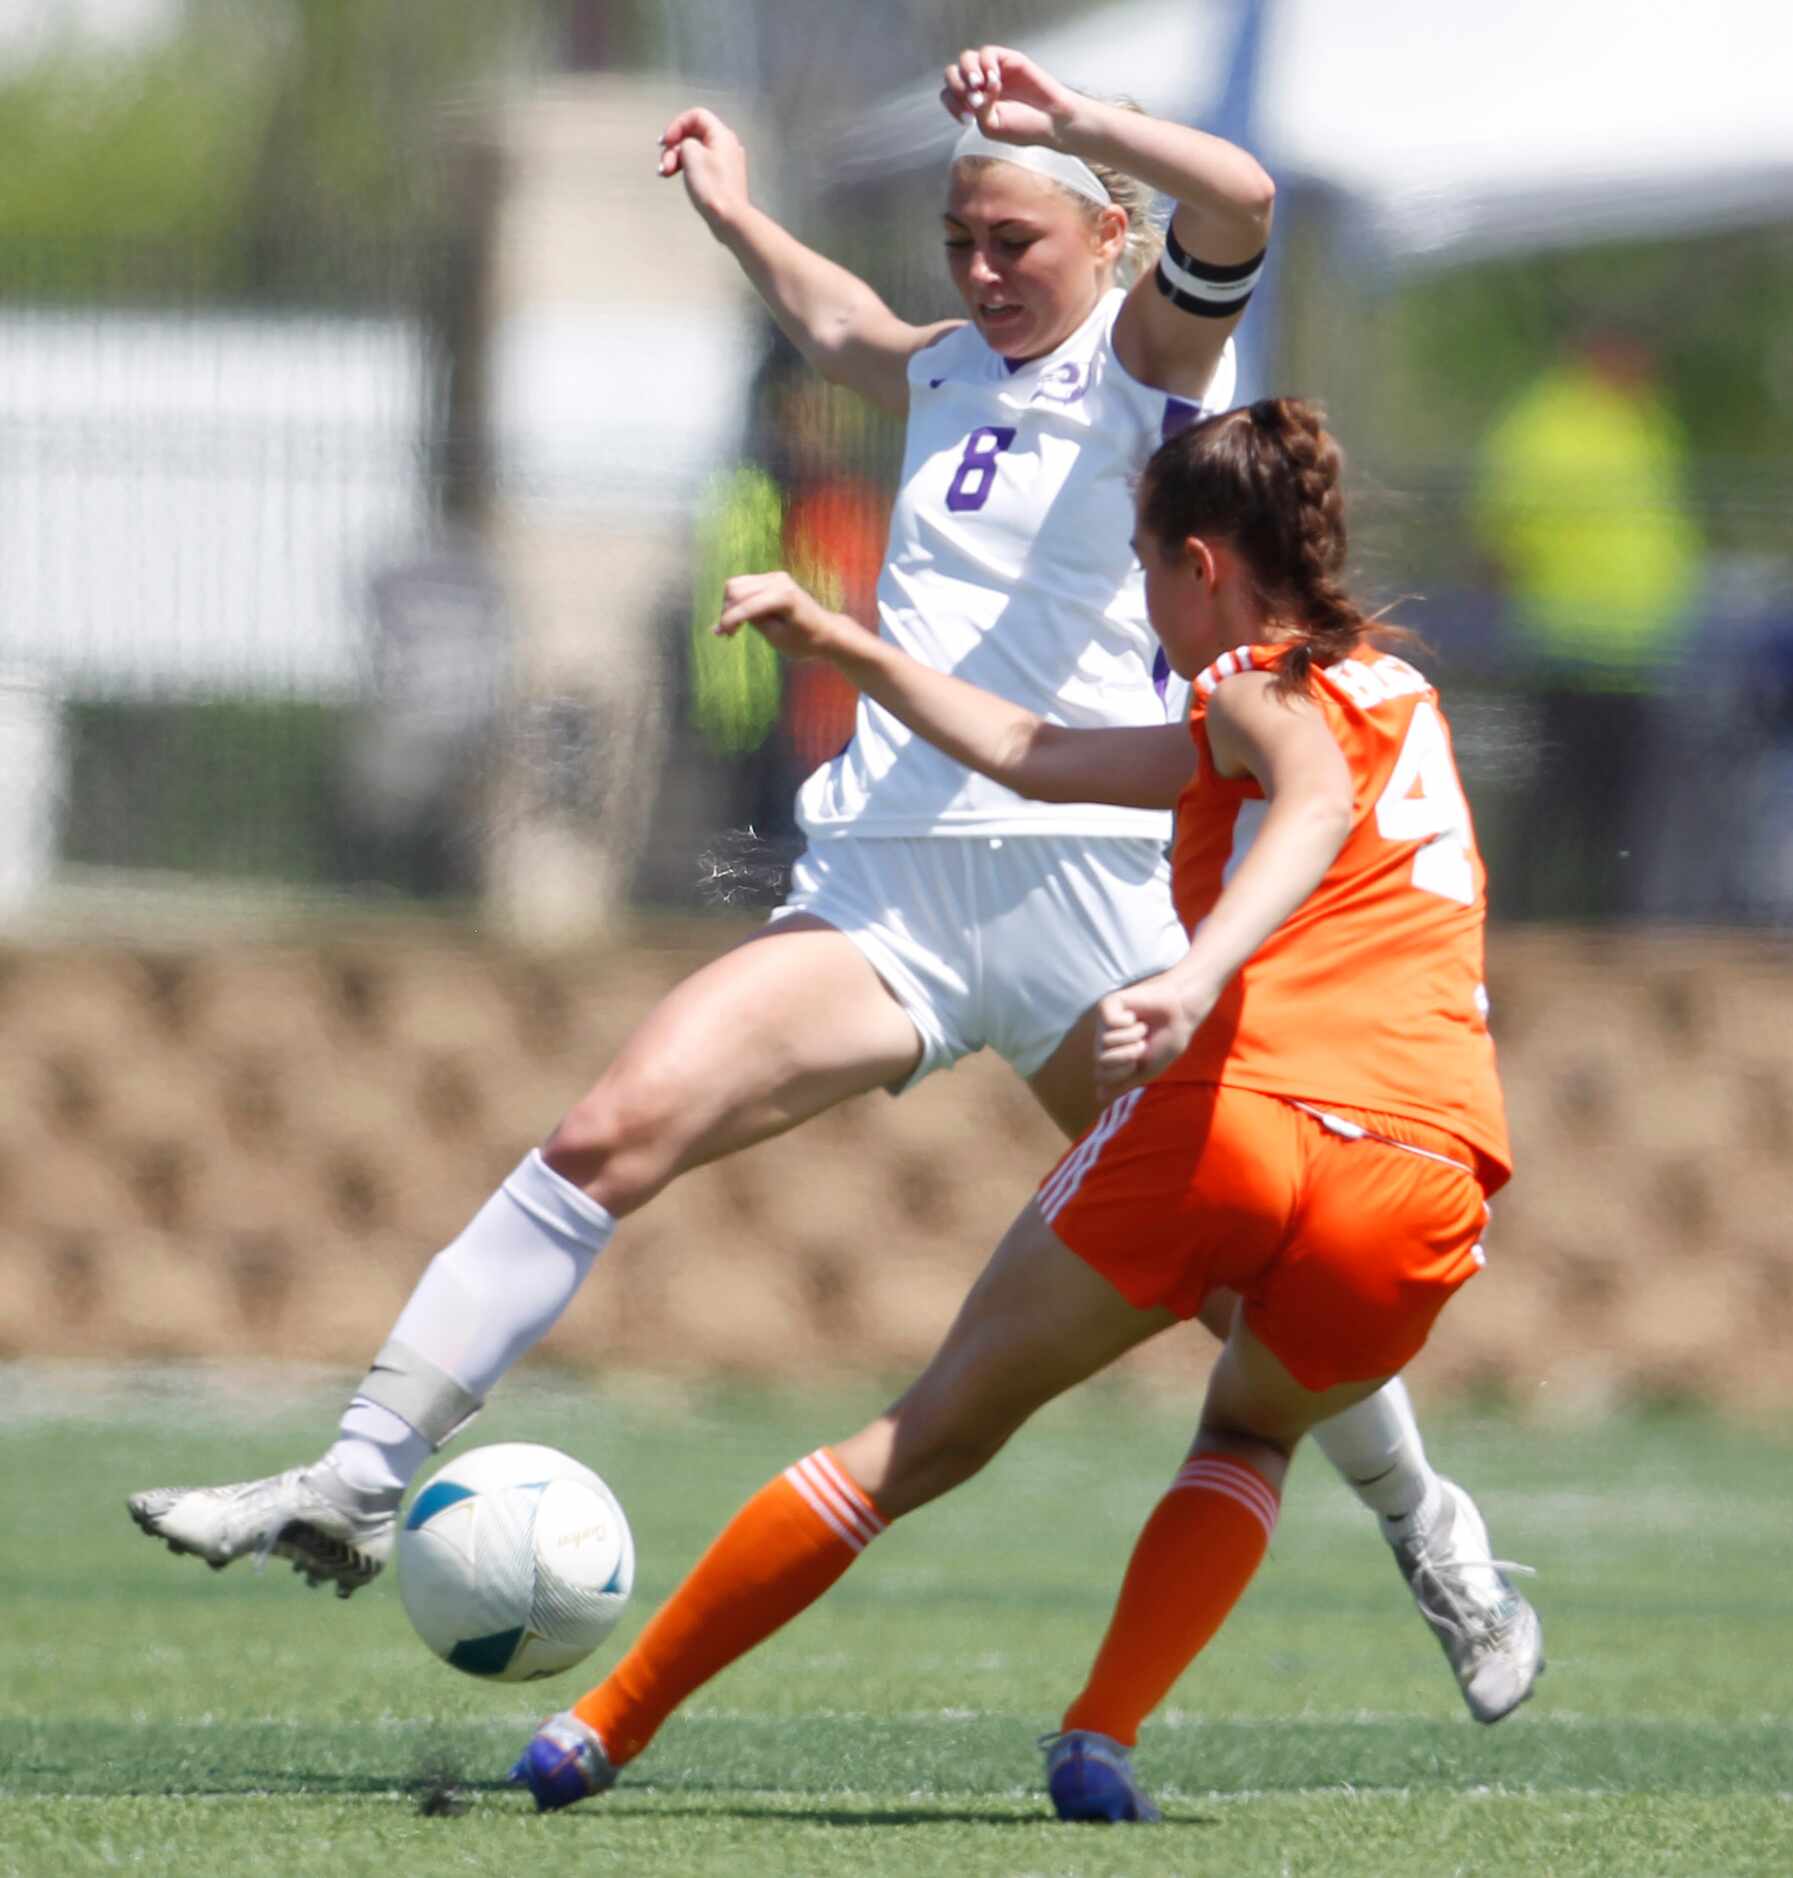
x=1194, y=1558
x=778, y=1554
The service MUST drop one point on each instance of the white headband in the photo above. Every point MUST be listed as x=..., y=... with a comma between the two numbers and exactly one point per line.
x=1061, y=167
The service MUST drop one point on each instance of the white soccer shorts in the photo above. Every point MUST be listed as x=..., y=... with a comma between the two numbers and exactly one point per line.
x=994, y=941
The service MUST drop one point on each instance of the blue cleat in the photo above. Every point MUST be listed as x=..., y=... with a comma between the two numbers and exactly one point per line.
x=1090, y=1777
x=564, y=1762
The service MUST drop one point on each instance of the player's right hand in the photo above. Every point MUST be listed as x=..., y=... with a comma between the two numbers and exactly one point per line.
x=698, y=146
x=1009, y=97
x=1143, y=1028
x=790, y=617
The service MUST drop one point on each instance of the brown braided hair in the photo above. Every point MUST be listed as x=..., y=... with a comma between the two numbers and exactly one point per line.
x=1265, y=478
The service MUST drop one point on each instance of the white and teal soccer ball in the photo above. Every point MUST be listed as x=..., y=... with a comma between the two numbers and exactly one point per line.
x=514, y=1562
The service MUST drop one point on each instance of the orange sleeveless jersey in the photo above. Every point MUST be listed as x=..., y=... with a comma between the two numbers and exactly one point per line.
x=1370, y=995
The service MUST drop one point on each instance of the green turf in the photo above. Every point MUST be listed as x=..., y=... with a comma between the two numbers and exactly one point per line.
x=156, y=1716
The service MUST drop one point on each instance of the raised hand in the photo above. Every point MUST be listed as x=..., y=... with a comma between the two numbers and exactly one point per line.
x=698, y=146
x=1010, y=97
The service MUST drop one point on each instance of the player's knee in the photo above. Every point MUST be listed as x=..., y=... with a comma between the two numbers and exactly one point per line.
x=918, y=1479
x=1266, y=1449
x=621, y=1141
x=925, y=1463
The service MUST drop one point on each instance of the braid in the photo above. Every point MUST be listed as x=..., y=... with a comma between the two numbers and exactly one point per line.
x=1329, y=620
x=1267, y=479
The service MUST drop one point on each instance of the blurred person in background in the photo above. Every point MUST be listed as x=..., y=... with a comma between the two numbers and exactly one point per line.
x=1761, y=885
x=934, y=912
x=1306, y=1113
x=797, y=500
x=836, y=520
x=1581, y=506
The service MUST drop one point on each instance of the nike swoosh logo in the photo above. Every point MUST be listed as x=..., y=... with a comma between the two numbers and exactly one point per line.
x=934, y=384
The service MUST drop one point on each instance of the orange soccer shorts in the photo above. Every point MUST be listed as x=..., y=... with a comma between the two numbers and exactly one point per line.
x=1343, y=1246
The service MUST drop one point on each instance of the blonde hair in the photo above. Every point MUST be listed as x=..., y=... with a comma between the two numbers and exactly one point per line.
x=1145, y=235
x=1135, y=200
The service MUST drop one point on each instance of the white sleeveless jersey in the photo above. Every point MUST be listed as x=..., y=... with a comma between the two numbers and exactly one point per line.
x=1010, y=565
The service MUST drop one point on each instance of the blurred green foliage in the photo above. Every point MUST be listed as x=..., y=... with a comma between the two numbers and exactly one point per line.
x=304, y=151
x=234, y=788
x=735, y=683
x=100, y=154
x=244, y=141
x=1716, y=310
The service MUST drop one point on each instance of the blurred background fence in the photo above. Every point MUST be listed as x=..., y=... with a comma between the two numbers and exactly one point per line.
x=375, y=430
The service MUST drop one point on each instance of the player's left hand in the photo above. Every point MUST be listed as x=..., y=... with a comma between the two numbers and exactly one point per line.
x=1142, y=1029
x=790, y=617
x=1011, y=98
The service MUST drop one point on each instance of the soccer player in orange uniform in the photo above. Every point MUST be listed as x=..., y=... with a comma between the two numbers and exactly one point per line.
x=1303, y=1112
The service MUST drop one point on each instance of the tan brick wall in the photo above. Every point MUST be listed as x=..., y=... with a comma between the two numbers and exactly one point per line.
x=252, y=1149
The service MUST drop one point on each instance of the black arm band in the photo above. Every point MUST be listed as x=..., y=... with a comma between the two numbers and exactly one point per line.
x=1209, y=289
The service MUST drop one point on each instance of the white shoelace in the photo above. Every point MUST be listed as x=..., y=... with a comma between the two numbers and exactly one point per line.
x=1486, y=1628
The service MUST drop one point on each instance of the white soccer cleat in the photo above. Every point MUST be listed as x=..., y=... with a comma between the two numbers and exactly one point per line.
x=1490, y=1634
x=307, y=1515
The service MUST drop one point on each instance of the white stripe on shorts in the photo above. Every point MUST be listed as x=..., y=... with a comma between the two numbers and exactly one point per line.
x=1060, y=1186
x=1355, y=1131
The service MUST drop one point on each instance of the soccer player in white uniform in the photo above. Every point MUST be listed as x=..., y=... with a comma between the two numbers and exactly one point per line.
x=933, y=912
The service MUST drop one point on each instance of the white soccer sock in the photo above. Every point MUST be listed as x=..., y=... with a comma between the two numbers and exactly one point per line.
x=480, y=1304
x=377, y=1452
x=1376, y=1446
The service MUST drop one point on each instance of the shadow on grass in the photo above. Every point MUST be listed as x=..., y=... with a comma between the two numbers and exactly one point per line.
x=843, y=1816
x=1538, y=1754
x=440, y=1797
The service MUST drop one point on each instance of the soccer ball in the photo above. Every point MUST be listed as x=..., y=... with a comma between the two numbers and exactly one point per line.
x=514, y=1562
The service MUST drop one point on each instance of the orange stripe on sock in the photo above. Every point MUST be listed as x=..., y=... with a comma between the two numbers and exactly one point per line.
x=1197, y=1553
x=778, y=1554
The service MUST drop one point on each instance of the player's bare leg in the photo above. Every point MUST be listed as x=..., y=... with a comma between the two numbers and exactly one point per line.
x=1038, y=1321
x=1489, y=1632
x=1194, y=1557
x=786, y=1025
x=789, y=1023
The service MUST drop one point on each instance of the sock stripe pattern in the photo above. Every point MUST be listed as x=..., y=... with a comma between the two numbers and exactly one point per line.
x=782, y=1550
x=1195, y=1555
x=834, y=1499
x=1236, y=1480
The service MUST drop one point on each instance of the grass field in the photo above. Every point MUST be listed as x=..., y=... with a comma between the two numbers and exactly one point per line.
x=156, y=1716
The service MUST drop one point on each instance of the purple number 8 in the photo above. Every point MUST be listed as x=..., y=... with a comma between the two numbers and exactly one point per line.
x=976, y=475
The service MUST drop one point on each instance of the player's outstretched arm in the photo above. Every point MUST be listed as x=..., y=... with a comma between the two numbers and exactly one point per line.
x=1134, y=767
x=830, y=315
x=1284, y=743
x=1177, y=319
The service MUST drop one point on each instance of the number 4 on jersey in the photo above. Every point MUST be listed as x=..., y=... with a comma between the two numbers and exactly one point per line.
x=1424, y=802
